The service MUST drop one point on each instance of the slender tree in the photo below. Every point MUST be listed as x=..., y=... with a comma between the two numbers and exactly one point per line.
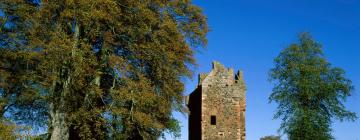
x=97, y=69
x=309, y=91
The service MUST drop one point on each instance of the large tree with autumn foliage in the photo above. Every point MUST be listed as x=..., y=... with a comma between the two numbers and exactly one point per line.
x=97, y=69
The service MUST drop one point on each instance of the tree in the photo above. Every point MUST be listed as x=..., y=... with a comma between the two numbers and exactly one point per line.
x=310, y=92
x=270, y=138
x=97, y=69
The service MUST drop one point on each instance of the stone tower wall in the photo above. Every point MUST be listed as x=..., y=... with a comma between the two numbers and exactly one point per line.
x=222, y=101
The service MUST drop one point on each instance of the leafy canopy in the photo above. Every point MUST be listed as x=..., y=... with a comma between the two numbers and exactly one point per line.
x=113, y=67
x=309, y=91
x=270, y=138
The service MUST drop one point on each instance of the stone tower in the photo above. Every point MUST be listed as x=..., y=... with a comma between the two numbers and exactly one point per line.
x=217, y=106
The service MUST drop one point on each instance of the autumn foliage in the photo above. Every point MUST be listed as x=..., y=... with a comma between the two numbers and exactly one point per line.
x=97, y=69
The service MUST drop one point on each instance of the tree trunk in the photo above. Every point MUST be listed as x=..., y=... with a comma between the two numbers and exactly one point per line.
x=60, y=129
x=58, y=108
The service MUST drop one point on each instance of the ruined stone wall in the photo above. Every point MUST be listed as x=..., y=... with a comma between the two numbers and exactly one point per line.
x=222, y=104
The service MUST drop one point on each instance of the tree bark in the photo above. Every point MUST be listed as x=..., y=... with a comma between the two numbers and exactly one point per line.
x=60, y=128
x=58, y=108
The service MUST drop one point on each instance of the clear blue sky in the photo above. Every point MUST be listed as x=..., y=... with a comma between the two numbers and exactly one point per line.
x=248, y=34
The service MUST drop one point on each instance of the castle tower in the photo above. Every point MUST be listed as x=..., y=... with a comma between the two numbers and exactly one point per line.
x=217, y=106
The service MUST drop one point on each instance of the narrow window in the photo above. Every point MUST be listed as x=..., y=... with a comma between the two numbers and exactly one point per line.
x=213, y=120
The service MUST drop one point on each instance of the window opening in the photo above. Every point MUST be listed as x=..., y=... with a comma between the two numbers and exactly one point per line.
x=213, y=120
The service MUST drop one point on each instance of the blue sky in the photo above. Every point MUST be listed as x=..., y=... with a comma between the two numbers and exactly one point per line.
x=249, y=34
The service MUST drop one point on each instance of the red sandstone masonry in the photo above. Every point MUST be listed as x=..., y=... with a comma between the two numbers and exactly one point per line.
x=222, y=95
